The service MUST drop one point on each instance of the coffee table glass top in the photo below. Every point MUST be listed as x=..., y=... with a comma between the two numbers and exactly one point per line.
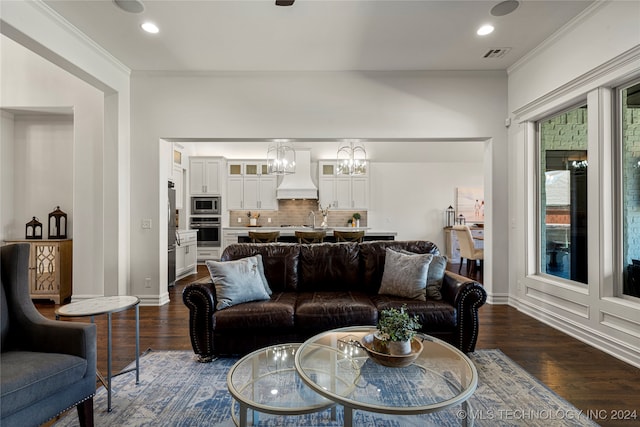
x=335, y=366
x=266, y=380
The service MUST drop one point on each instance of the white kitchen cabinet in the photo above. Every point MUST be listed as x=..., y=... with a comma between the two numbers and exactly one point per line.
x=204, y=175
x=360, y=192
x=178, y=181
x=452, y=246
x=205, y=254
x=249, y=186
x=177, y=155
x=340, y=191
x=235, y=193
x=228, y=238
x=186, y=254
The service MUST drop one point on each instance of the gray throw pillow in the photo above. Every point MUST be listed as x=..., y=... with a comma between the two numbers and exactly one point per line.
x=237, y=281
x=405, y=275
x=262, y=276
x=435, y=276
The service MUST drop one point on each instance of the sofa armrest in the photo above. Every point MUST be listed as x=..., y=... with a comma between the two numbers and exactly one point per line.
x=200, y=298
x=467, y=296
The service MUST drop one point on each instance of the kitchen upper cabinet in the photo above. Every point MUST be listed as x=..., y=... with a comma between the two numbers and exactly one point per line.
x=249, y=186
x=235, y=193
x=360, y=192
x=204, y=173
x=178, y=181
x=340, y=191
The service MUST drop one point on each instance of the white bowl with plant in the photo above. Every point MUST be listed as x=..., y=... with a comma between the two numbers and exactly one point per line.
x=396, y=329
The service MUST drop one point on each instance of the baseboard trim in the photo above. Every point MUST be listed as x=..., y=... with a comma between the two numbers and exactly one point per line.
x=498, y=299
x=590, y=336
x=154, y=300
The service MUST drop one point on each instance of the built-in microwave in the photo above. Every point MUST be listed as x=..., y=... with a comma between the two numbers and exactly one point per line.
x=205, y=205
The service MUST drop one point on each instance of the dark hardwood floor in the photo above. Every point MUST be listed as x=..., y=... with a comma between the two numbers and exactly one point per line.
x=588, y=378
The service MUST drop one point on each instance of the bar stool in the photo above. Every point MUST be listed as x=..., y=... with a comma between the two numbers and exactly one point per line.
x=349, y=236
x=264, y=236
x=310, y=236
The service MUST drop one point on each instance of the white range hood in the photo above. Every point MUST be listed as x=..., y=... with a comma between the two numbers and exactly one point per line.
x=298, y=185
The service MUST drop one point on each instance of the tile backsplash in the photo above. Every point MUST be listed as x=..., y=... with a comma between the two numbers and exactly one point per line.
x=295, y=212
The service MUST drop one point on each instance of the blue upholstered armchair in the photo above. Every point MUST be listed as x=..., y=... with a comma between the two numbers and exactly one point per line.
x=46, y=366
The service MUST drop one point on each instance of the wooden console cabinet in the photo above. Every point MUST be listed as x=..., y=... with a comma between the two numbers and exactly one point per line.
x=50, y=269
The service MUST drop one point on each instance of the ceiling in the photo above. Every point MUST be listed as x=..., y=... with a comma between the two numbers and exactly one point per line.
x=316, y=35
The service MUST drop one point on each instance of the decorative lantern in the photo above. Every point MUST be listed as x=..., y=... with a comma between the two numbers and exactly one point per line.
x=450, y=216
x=461, y=220
x=33, y=229
x=57, y=229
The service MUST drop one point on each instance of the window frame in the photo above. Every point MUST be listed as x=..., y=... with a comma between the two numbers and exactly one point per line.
x=618, y=228
x=537, y=269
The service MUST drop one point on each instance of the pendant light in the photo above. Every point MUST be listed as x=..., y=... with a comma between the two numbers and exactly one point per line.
x=281, y=158
x=351, y=159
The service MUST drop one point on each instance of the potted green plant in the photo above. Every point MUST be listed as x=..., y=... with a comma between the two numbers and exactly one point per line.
x=396, y=329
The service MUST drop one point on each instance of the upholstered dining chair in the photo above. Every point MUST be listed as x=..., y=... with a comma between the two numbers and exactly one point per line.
x=349, y=236
x=311, y=236
x=468, y=249
x=46, y=366
x=264, y=236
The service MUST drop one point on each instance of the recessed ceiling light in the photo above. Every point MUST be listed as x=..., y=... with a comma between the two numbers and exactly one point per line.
x=485, y=29
x=150, y=27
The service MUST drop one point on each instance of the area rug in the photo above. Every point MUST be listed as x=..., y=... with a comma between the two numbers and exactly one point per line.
x=176, y=390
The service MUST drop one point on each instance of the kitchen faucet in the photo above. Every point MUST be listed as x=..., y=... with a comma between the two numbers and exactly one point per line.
x=312, y=213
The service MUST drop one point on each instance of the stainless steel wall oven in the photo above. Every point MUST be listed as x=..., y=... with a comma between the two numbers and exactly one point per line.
x=209, y=230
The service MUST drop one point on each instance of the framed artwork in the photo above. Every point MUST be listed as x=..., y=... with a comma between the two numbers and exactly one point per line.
x=470, y=203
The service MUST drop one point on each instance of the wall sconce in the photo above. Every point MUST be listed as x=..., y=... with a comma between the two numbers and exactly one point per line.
x=57, y=229
x=281, y=158
x=33, y=229
x=351, y=159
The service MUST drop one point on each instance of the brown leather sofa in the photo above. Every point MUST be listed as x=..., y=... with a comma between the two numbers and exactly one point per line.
x=317, y=287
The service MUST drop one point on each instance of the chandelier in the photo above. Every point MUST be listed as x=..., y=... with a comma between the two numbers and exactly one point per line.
x=281, y=158
x=351, y=159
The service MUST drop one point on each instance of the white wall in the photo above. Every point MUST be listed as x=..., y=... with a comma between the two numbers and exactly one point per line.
x=600, y=51
x=7, y=218
x=406, y=198
x=29, y=81
x=96, y=86
x=435, y=105
x=43, y=170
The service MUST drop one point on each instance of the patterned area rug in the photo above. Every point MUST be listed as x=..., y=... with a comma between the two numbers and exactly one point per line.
x=175, y=390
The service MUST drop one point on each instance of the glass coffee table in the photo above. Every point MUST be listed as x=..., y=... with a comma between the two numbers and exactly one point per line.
x=336, y=367
x=266, y=381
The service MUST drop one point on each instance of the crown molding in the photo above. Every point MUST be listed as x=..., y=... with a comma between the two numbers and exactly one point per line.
x=46, y=10
x=612, y=72
x=551, y=40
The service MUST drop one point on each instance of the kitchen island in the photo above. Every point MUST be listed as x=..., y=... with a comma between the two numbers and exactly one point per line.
x=287, y=234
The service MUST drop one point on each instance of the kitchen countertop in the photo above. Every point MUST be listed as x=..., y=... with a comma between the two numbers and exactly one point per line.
x=186, y=230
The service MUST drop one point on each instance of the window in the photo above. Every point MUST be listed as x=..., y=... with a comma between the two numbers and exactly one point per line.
x=630, y=169
x=562, y=195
